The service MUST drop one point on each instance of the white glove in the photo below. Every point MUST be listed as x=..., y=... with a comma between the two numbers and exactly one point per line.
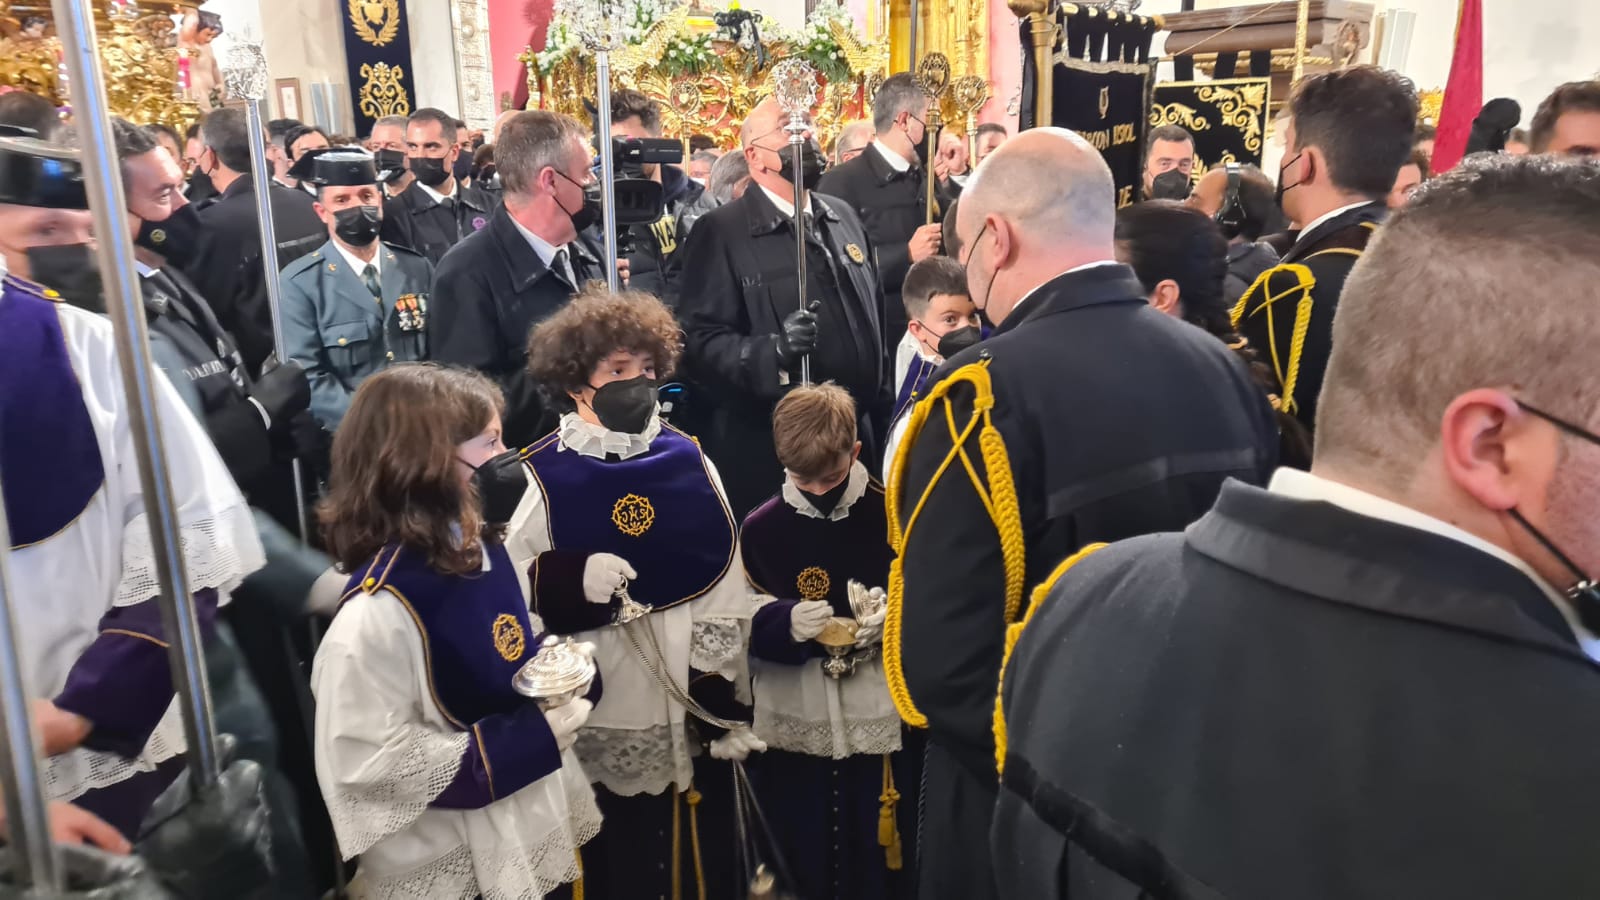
x=871, y=630
x=602, y=575
x=808, y=618
x=737, y=744
x=566, y=719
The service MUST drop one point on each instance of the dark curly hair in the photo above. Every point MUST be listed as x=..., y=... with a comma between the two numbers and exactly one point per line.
x=564, y=349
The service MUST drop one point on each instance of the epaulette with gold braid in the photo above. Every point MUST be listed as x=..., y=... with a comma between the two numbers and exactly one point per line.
x=999, y=498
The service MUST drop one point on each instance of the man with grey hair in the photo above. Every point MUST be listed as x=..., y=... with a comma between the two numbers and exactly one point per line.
x=526, y=263
x=1376, y=679
x=1059, y=446
x=388, y=146
x=853, y=138
x=886, y=187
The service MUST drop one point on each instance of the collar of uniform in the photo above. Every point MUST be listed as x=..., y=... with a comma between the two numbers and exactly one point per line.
x=357, y=264
x=1086, y=290
x=1324, y=551
x=784, y=206
x=1306, y=486
x=1315, y=229
x=765, y=216
x=546, y=250
x=143, y=270
x=597, y=441
x=437, y=197
x=894, y=160
x=854, y=489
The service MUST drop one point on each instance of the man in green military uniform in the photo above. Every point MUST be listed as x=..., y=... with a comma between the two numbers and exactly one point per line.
x=1349, y=133
x=356, y=304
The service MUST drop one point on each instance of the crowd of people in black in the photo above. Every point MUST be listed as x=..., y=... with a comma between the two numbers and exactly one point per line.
x=1234, y=543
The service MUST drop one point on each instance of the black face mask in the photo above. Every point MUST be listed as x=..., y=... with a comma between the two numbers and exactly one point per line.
x=429, y=171
x=1170, y=185
x=463, y=166
x=920, y=147
x=953, y=342
x=358, y=225
x=983, y=311
x=70, y=270
x=589, y=214
x=812, y=162
x=828, y=500
x=1277, y=196
x=1584, y=591
x=391, y=161
x=625, y=406
x=500, y=482
x=176, y=238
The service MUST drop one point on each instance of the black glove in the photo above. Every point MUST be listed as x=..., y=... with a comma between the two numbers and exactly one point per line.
x=282, y=390
x=302, y=437
x=90, y=874
x=799, y=335
x=216, y=845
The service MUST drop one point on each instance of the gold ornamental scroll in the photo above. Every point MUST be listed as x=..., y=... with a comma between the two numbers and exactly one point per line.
x=957, y=28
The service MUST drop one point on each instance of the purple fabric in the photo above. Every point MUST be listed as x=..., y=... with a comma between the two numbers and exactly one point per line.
x=779, y=546
x=121, y=682
x=556, y=577
x=770, y=639
x=49, y=456
x=475, y=629
x=125, y=804
x=508, y=751
x=911, y=388
x=680, y=534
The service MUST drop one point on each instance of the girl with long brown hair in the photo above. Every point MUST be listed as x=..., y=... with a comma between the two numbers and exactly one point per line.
x=436, y=772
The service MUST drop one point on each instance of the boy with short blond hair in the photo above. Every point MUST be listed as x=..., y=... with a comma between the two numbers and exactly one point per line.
x=831, y=763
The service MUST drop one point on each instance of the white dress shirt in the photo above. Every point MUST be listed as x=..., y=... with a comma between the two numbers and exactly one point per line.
x=438, y=197
x=547, y=251
x=896, y=161
x=1306, y=486
x=359, y=265
x=786, y=205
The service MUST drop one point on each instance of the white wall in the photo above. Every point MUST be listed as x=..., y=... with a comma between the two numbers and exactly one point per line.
x=787, y=13
x=433, y=56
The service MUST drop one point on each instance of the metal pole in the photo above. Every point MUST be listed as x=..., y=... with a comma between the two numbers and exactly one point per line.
x=608, y=172
x=75, y=27
x=912, y=59
x=27, y=814
x=249, y=77
x=797, y=144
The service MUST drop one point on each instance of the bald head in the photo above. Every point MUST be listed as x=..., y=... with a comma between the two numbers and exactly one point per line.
x=1049, y=202
x=762, y=121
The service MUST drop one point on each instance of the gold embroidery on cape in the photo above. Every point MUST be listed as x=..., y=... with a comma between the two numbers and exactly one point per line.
x=813, y=584
x=376, y=21
x=508, y=637
x=633, y=515
x=383, y=94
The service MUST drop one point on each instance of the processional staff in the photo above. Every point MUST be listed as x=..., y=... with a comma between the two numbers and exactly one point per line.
x=794, y=84
x=970, y=93
x=76, y=29
x=599, y=25
x=933, y=76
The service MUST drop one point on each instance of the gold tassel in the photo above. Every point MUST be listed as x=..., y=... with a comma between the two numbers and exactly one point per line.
x=694, y=841
x=888, y=828
x=577, y=886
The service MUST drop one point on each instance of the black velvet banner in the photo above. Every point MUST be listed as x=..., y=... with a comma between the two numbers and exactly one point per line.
x=377, y=49
x=1101, y=89
x=1227, y=117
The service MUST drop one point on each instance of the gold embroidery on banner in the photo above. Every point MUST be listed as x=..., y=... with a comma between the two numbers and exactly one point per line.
x=1177, y=114
x=508, y=637
x=376, y=21
x=382, y=94
x=633, y=515
x=1243, y=109
x=1105, y=100
x=813, y=584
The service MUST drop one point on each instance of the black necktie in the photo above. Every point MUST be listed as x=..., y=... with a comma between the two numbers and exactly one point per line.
x=369, y=277
x=562, y=265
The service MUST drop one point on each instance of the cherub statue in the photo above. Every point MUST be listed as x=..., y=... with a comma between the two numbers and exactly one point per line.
x=199, y=29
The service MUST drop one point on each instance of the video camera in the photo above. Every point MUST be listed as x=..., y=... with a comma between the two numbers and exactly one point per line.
x=639, y=200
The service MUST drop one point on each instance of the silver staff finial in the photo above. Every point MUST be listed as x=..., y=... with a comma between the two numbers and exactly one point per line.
x=794, y=83
x=246, y=75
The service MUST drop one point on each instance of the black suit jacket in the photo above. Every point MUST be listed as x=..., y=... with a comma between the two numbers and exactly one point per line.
x=488, y=293
x=228, y=272
x=1315, y=266
x=1294, y=700
x=414, y=221
x=892, y=206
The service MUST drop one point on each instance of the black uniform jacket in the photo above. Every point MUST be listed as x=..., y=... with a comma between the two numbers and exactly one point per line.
x=228, y=273
x=737, y=287
x=1294, y=700
x=1272, y=311
x=488, y=293
x=892, y=205
x=413, y=220
x=1117, y=421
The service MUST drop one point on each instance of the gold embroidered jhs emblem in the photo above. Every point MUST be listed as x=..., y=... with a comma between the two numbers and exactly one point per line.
x=855, y=254
x=508, y=637
x=376, y=21
x=813, y=584
x=1105, y=101
x=633, y=515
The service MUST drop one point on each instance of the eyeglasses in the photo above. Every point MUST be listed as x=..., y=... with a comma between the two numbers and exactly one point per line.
x=1577, y=431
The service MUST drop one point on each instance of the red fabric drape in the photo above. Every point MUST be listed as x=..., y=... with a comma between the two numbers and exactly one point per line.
x=1463, y=94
